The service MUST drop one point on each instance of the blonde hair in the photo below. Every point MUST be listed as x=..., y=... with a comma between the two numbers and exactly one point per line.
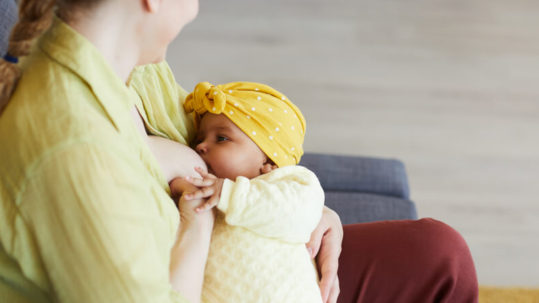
x=35, y=17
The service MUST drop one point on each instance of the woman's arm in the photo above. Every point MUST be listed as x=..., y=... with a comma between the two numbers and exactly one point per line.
x=190, y=252
x=325, y=245
x=188, y=261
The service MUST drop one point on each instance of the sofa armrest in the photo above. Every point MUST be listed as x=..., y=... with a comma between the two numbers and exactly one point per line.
x=359, y=174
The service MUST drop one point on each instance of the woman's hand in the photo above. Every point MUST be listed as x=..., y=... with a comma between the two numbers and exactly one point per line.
x=190, y=251
x=189, y=216
x=178, y=186
x=325, y=245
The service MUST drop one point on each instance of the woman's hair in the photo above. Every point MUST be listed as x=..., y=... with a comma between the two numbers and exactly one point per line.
x=35, y=17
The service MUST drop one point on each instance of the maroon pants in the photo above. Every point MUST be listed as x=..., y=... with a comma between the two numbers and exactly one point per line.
x=405, y=261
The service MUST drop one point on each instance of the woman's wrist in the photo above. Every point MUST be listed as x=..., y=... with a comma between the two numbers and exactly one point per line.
x=188, y=258
x=199, y=228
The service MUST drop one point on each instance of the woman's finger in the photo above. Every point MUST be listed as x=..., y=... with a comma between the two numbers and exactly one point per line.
x=316, y=239
x=328, y=261
x=328, y=272
x=328, y=251
x=334, y=293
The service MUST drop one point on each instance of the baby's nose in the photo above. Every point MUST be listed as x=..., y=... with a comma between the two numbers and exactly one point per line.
x=201, y=148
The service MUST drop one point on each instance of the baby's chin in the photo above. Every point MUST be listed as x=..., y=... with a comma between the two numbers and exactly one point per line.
x=211, y=171
x=230, y=176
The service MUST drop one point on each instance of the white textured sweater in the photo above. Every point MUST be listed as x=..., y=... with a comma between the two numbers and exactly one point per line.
x=258, y=251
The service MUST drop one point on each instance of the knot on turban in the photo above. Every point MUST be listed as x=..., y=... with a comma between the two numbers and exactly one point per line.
x=274, y=123
x=206, y=97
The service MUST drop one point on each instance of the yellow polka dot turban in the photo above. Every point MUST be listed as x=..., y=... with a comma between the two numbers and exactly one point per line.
x=264, y=114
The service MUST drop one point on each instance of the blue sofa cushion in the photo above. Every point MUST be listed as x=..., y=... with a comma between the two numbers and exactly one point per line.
x=363, y=189
x=359, y=174
x=362, y=207
x=8, y=15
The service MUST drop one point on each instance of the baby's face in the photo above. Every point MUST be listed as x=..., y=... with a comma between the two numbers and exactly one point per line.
x=227, y=150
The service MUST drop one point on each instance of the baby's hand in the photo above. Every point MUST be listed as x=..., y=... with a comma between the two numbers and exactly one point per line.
x=189, y=217
x=208, y=187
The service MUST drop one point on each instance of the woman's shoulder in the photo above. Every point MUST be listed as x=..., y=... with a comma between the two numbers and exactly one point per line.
x=51, y=99
x=161, y=101
x=159, y=73
x=44, y=80
x=157, y=79
x=51, y=108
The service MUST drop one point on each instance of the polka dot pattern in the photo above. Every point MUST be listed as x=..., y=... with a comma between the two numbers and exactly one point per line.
x=274, y=123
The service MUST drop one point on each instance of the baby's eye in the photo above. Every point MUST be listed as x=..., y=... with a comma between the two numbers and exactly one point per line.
x=221, y=138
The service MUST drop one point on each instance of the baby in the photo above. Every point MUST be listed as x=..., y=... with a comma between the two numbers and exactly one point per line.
x=250, y=136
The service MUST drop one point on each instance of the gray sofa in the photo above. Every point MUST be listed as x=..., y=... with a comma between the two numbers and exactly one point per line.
x=359, y=189
x=363, y=189
x=8, y=16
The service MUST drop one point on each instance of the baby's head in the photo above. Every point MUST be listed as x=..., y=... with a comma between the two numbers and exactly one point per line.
x=242, y=126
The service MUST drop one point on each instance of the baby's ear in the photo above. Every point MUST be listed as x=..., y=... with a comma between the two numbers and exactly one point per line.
x=268, y=166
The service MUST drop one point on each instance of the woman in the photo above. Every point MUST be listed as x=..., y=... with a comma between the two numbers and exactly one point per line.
x=85, y=211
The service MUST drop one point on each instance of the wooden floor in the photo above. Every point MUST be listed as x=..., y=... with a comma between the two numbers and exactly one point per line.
x=450, y=87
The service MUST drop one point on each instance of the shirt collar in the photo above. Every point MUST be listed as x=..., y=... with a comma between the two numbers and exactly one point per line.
x=72, y=50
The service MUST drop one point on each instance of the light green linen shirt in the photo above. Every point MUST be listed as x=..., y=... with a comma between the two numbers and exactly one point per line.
x=85, y=214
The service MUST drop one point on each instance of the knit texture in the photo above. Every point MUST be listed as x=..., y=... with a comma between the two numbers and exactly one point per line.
x=258, y=251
